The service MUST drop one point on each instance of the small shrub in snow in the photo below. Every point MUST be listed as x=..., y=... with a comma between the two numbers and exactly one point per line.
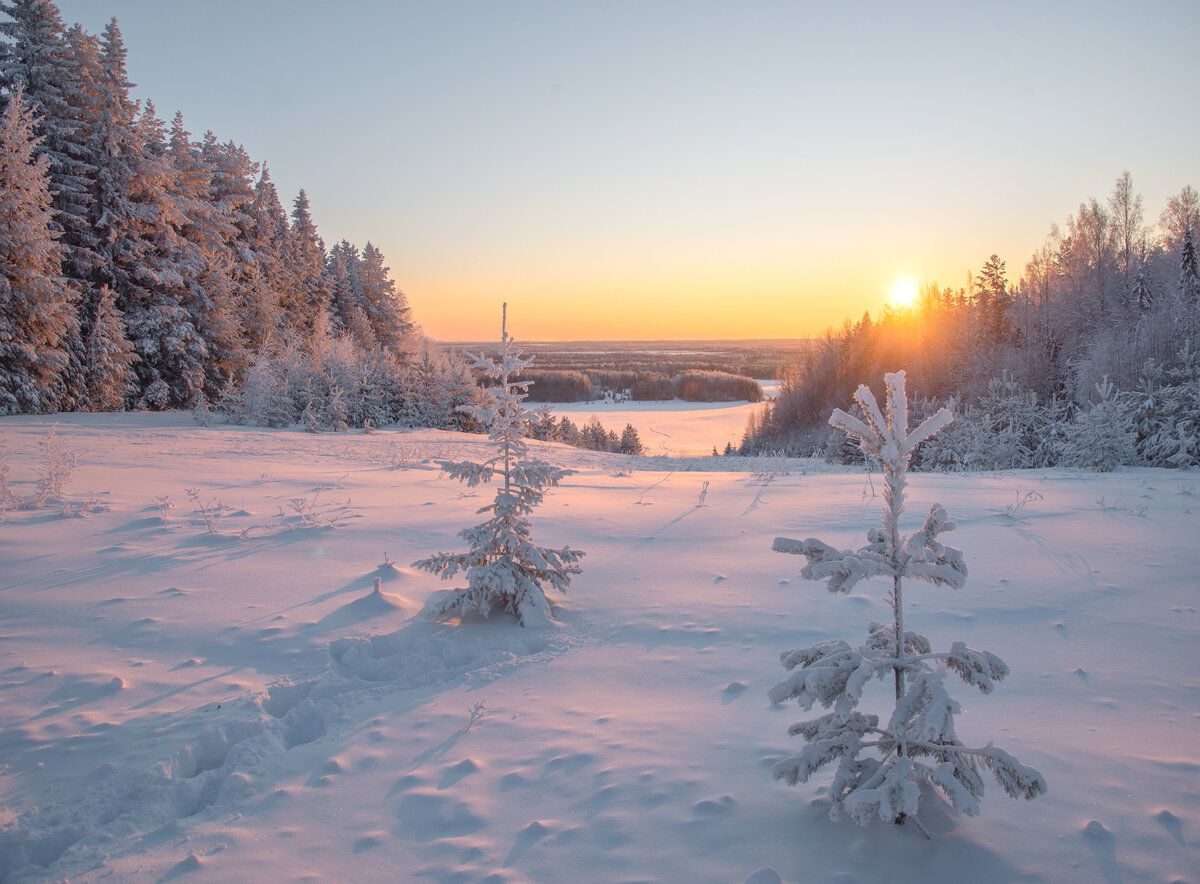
x=1013, y=510
x=766, y=466
x=310, y=418
x=201, y=413
x=505, y=569
x=401, y=457
x=9, y=499
x=476, y=713
x=1166, y=412
x=1008, y=428
x=881, y=769
x=83, y=508
x=312, y=512
x=211, y=511
x=164, y=506
x=1104, y=435
x=61, y=462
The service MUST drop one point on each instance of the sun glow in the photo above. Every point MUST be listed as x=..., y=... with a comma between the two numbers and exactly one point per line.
x=904, y=293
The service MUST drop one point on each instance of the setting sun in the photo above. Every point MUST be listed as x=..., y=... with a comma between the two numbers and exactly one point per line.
x=904, y=293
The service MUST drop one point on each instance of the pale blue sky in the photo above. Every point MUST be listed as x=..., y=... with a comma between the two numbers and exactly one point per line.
x=655, y=169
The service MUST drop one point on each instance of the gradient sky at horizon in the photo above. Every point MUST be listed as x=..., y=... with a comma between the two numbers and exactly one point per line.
x=679, y=170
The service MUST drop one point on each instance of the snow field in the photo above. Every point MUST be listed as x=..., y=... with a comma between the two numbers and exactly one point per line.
x=179, y=704
x=673, y=429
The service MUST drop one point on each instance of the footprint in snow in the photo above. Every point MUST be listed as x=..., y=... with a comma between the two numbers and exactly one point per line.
x=456, y=772
x=514, y=780
x=765, y=875
x=709, y=807
x=406, y=782
x=1172, y=824
x=600, y=801
x=323, y=775
x=732, y=691
x=190, y=863
x=1104, y=848
x=433, y=817
x=529, y=836
x=569, y=764
x=369, y=841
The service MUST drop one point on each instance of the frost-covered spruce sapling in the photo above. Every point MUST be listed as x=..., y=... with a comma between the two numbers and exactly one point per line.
x=505, y=569
x=881, y=769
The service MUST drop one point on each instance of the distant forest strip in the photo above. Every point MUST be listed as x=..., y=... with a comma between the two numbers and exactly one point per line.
x=765, y=359
x=692, y=386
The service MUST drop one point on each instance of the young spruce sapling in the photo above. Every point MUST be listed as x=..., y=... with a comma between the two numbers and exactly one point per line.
x=505, y=569
x=881, y=769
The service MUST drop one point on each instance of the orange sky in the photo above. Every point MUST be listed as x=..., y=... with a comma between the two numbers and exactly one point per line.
x=758, y=295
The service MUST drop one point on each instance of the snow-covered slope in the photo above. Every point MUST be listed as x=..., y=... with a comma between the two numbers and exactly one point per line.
x=245, y=706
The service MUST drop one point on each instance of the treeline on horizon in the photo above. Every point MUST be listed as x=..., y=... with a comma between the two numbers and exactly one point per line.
x=1091, y=357
x=765, y=359
x=640, y=386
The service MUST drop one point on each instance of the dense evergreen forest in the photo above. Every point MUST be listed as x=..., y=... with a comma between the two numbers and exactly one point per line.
x=1090, y=358
x=143, y=268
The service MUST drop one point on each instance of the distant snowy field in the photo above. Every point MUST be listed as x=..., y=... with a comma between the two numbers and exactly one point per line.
x=673, y=429
x=242, y=706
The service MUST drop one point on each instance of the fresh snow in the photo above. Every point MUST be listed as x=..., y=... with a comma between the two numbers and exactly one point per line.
x=673, y=429
x=247, y=705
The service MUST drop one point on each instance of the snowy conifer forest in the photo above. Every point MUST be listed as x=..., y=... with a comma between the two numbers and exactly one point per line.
x=147, y=268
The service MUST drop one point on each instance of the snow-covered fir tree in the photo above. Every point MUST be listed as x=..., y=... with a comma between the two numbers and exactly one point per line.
x=1142, y=294
x=138, y=223
x=882, y=768
x=386, y=308
x=505, y=570
x=56, y=68
x=630, y=442
x=203, y=221
x=37, y=311
x=1189, y=271
x=108, y=358
x=346, y=298
x=261, y=241
x=434, y=385
x=306, y=294
x=1166, y=412
x=1103, y=436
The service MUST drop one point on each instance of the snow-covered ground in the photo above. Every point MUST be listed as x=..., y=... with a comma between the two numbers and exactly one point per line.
x=673, y=429
x=243, y=706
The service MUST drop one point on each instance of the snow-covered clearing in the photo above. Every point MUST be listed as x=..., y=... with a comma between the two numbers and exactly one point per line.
x=673, y=429
x=243, y=706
